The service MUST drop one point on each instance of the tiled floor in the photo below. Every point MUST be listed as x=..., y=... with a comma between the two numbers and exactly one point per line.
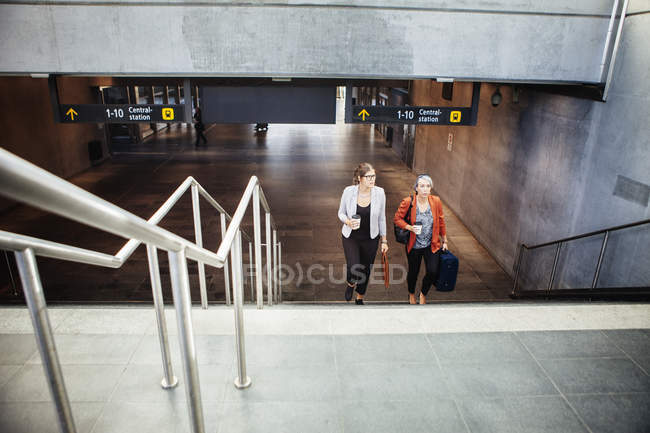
x=303, y=169
x=527, y=379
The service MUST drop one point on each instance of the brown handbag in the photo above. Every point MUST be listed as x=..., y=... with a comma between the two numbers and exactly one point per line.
x=384, y=262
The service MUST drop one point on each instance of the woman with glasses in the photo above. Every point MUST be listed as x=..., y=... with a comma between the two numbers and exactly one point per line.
x=363, y=214
x=427, y=225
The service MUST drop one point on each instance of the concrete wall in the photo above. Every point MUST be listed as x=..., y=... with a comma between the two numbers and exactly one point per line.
x=28, y=127
x=546, y=40
x=547, y=167
x=539, y=6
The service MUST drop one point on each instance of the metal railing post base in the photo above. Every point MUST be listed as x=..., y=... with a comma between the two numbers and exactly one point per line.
x=167, y=385
x=246, y=383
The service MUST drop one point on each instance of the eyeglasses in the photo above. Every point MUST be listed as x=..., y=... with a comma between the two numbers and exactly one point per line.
x=370, y=176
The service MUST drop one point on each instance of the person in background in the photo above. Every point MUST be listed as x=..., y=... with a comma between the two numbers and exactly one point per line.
x=427, y=229
x=199, y=126
x=363, y=214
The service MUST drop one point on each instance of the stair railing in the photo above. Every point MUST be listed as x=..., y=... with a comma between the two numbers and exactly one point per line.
x=524, y=249
x=25, y=182
x=197, y=190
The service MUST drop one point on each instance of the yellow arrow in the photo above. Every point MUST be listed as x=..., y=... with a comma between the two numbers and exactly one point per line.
x=71, y=113
x=363, y=113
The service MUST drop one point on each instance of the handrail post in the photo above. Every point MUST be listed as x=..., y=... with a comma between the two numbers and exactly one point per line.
x=275, y=266
x=168, y=380
x=226, y=272
x=280, y=272
x=242, y=380
x=521, y=251
x=612, y=60
x=239, y=240
x=33, y=289
x=608, y=39
x=269, y=247
x=600, y=260
x=258, y=246
x=183, y=303
x=250, y=270
x=198, y=236
x=557, y=256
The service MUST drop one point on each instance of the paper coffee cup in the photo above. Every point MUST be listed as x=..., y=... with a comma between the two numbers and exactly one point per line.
x=356, y=221
x=417, y=228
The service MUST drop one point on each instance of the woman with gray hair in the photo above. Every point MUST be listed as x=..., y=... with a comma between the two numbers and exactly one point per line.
x=427, y=225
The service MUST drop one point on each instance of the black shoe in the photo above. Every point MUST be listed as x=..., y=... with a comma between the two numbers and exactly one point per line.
x=358, y=301
x=348, y=292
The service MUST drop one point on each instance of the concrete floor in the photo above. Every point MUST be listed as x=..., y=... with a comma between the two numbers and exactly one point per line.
x=303, y=170
x=488, y=367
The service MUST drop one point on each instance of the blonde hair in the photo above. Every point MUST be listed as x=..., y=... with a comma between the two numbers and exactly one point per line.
x=361, y=171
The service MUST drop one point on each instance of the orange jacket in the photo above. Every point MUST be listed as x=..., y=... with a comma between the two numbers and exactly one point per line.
x=439, y=228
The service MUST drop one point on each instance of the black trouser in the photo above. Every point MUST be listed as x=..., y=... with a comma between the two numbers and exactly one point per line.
x=359, y=256
x=432, y=263
x=200, y=136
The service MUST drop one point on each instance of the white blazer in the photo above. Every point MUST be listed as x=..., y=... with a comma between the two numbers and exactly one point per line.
x=348, y=207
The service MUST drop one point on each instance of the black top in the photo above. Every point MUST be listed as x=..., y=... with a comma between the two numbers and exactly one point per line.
x=198, y=117
x=363, y=232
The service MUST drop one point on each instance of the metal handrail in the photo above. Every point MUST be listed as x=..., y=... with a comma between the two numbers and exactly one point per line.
x=585, y=235
x=610, y=29
x=130, y=246
x=228, y=239
x=30, y=184
x=13, y=241
x=617, y=41
x=560, y=242
x=267, y=208
x=253, y=190
x=20, y=175
x=27, y=183
x=16, y=242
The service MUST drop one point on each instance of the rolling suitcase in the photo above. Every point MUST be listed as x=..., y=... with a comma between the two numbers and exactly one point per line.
x=448, y=272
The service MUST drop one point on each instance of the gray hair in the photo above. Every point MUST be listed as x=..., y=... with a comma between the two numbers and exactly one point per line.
x=424, y=177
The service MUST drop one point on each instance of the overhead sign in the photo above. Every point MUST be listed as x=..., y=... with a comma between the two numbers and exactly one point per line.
x=460, y=116
x=268, y=104
x=122, y=113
